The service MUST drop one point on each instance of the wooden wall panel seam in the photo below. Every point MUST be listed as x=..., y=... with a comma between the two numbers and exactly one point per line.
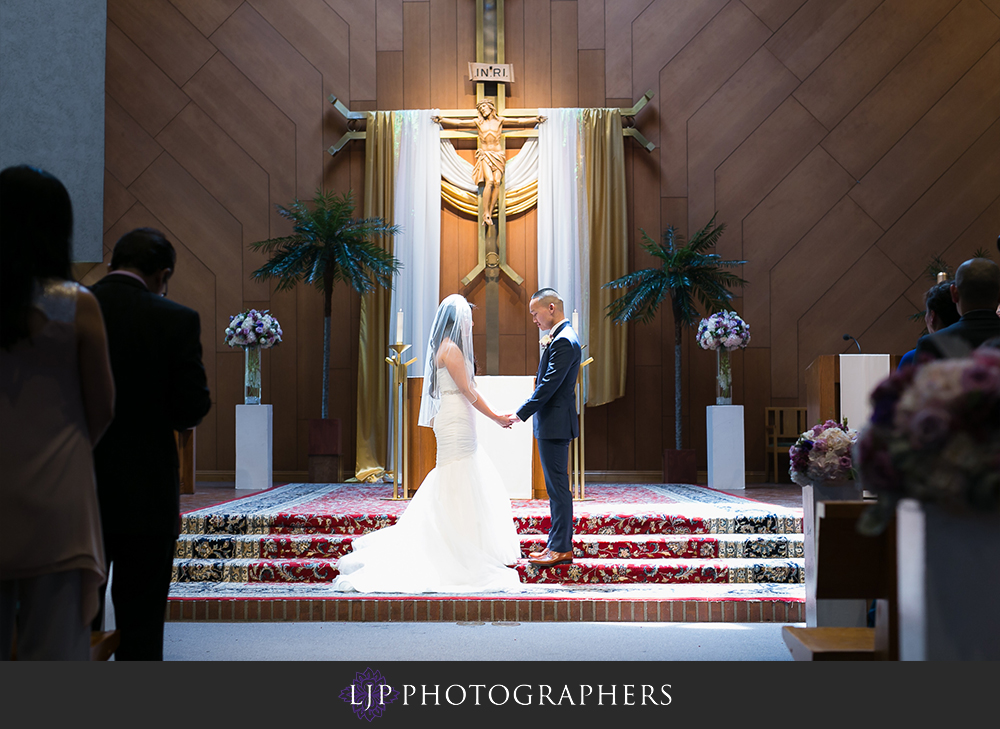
x=923, y=116
x=939, y=178
x=882, y=78
x=930, y=104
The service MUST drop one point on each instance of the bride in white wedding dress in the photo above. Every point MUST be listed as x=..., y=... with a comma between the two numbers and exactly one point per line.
x=457, y=533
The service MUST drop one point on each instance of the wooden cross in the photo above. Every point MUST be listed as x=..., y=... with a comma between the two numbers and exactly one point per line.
x=462, y=123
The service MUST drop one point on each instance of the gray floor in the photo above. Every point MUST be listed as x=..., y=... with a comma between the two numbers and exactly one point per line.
x=474, y=641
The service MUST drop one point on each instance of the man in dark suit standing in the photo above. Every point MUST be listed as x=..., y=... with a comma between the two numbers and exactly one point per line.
x=976, y=292
x=553, y=403
x=155, y=349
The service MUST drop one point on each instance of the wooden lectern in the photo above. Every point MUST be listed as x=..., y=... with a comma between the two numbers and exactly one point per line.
x=823, y=389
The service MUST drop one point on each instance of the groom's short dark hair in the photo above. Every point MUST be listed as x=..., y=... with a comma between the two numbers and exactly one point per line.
x=546, y=293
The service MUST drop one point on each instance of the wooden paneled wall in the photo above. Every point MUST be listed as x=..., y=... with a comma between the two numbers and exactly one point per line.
x=842, y=142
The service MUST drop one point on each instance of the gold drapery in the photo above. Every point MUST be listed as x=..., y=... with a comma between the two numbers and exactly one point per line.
x=517, y=201
x=373, y=370
x=604, y=152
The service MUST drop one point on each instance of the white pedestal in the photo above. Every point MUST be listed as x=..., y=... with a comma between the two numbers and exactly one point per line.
x=509, y=449
x=827, y=613
x=726, y=462
x=859, y=375
x=253, y=446
x=948, y=583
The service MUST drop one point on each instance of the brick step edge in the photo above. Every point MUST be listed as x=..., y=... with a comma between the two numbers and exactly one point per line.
x=487, y=610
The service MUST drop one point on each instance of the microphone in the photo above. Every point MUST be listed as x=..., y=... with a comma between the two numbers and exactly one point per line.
x=848, y=336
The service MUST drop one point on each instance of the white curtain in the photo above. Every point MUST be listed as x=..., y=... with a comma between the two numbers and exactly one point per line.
x=563, y=241
x=521, y=169
x=417, y=210
x=418, y=247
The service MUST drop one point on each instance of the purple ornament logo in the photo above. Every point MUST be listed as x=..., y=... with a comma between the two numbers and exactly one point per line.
x=369, y=694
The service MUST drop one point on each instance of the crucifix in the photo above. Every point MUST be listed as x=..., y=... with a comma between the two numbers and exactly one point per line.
x=486, y=124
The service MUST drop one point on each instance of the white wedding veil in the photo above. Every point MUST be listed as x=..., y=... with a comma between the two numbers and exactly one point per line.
x=452, y=322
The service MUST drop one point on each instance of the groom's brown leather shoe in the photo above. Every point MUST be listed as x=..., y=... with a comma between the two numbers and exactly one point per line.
x=539, y=555
x=553, y=558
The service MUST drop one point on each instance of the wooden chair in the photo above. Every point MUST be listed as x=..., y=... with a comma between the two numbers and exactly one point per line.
x=782, y=427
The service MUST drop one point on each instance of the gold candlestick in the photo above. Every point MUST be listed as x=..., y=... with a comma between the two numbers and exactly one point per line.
x=398, y=435
x=579, y=473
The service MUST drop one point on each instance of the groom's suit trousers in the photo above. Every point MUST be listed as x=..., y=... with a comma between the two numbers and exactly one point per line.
x=554, y=454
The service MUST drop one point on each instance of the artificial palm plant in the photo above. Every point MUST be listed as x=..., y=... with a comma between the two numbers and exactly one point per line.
x=686, y=273
x=328, y=245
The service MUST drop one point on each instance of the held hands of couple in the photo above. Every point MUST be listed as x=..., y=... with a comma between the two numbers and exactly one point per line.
x=505, y=421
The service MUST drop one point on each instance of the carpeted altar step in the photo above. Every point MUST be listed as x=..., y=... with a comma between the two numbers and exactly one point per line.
x=611, y=509
x=607, y=546
x=528, y=519
x=581, y=571
x=641, y=552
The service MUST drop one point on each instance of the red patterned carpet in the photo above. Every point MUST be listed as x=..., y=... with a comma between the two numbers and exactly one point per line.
x=631, y=541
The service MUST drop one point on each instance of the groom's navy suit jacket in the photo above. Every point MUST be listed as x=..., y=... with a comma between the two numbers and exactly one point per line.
x=553, y=403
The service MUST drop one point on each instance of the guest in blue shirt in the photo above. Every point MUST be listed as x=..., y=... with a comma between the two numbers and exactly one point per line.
x=941, y=311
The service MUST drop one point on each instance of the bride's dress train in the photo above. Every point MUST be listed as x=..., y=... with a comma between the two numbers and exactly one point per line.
x=457, y=533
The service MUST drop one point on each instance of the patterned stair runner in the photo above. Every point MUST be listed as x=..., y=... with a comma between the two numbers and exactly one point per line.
x=627, y=535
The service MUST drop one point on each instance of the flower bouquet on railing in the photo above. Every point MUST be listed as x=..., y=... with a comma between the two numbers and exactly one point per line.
x=723, y=332
x=822, y=455
x=934, y=436
x=253, y=330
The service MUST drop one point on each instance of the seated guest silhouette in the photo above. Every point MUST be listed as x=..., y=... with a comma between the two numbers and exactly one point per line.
x=976, y=292
x=940, y=312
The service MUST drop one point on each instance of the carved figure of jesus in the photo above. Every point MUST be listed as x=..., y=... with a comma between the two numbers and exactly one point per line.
x=490, y=158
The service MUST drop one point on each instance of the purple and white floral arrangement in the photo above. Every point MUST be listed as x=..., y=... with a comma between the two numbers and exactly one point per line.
x=253, y=329
x=823, y=455
x=723, y=329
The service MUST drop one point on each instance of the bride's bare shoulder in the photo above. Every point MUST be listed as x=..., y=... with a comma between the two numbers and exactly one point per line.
x=445, y=351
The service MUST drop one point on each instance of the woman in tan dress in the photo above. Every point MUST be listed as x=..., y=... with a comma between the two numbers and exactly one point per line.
x=56, y=400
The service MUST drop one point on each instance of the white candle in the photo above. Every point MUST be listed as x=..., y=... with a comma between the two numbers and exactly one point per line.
x=399, y=327
x=576, y=321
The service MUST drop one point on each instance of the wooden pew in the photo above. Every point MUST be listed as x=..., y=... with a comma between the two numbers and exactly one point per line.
x=103, y=644
x=850, y=566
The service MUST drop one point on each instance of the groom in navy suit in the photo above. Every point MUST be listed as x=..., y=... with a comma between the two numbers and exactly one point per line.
x=553, y=403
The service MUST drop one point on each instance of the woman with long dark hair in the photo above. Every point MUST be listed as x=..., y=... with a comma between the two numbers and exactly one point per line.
x=56, y=400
